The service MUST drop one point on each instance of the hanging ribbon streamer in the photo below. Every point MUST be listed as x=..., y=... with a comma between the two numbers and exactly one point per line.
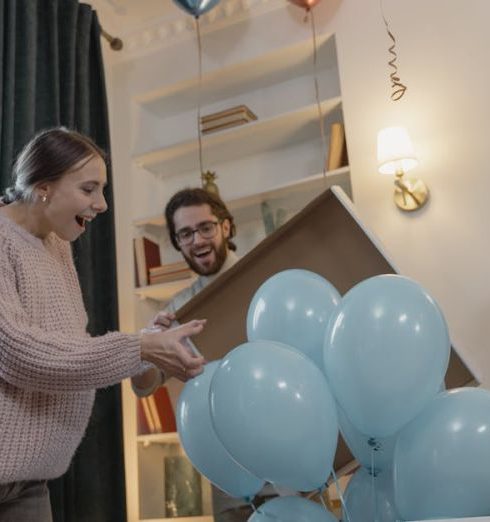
x=309, y=12
x=398, y=88
x=199, y=85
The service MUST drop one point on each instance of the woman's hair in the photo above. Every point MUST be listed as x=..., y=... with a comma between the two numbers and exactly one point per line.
x=191, y=197
x=47, y=158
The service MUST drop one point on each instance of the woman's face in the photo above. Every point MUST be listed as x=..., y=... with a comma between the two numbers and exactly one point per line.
x=75, y=199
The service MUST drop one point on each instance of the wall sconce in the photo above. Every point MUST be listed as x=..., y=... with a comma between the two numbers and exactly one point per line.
x=396, y=156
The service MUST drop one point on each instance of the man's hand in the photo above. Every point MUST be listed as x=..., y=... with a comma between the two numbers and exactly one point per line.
x=163, y=321
x=167, y=350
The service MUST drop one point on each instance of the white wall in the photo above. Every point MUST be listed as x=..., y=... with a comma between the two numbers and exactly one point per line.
x=444, y=59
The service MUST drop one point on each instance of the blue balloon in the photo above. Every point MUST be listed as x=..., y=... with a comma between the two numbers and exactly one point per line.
x=386, y=352
x=196, y=7
x=201, y=444
x=441, y=461
x=273, y=411
x=293, y=307
x=291, y=509
x=370, y=498
x=374, y=454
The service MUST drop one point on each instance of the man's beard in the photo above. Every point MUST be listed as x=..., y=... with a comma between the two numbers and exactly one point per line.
x=219, y=259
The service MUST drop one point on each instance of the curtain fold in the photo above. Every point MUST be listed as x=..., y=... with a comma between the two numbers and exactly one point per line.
x=52, y=74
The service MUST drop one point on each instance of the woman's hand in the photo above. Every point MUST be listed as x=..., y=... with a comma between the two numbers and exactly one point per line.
x=168, y=351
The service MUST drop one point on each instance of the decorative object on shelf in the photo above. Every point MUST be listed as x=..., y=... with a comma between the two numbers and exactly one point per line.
x=146, y=256
x=398, y=88
x=337, y=149
x=271, y=222
x=208, y=183
x=225, y=119
x=396, y=156
x=183, y=492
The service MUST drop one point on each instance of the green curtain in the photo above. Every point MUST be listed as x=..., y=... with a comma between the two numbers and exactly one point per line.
x=52, y=74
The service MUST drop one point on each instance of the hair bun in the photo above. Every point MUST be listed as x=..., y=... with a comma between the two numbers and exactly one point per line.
x=11, y=195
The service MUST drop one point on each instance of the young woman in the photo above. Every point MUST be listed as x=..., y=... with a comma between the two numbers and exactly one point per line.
x=49, y=366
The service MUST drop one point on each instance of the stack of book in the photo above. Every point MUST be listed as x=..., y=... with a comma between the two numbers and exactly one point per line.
x=226, y=119
x=155, y=413
x=169, y=272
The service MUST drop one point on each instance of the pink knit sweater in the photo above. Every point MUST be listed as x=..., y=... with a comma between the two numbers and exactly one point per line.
x=49, y=366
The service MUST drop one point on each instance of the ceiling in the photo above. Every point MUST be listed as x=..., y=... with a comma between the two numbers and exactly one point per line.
x=123, y=17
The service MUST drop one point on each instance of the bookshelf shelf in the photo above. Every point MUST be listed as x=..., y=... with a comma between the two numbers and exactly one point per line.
x=239, y=78
x=163, y=292
x=159, y=438
x=252, y=138
x=248, y=205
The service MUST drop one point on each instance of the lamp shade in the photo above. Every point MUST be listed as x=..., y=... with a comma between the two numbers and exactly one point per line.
x=395, y=151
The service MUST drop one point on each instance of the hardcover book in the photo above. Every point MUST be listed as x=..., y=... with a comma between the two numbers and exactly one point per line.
x=147, y=256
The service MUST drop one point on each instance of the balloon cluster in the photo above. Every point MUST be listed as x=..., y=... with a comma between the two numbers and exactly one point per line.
x=371, y=364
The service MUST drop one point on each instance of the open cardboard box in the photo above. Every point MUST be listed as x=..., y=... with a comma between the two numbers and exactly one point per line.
x=325, y=237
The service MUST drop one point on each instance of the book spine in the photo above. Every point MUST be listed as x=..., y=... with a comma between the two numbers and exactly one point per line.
x=154, y=413
x=239, y=110
x=148, y=415
x=224, y=126
x=336, y=146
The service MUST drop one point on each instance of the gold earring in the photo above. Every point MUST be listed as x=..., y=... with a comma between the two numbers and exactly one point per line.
x=44, y=198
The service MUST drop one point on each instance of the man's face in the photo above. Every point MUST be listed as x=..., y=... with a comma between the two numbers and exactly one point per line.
x=204, y=256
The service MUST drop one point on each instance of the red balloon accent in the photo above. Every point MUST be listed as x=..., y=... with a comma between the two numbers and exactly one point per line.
x=307, y=4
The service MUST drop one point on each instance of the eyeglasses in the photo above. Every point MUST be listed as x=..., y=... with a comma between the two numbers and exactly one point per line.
x=206, y=229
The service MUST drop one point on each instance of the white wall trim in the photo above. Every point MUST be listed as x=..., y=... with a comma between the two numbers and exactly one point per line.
x=171, y=30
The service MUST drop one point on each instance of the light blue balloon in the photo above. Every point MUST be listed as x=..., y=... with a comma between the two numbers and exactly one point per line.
x=201, y=444
x=196, y=7
x=293, y=307
x=291, y=509
x=386, y=352
x=273, y=411
x=441, y=461
x=374, y=454
x=370, y=498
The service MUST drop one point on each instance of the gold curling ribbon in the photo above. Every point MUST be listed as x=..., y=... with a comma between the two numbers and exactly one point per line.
x=398, y=88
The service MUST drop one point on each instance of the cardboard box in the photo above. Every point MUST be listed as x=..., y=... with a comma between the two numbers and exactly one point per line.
x=326, y=237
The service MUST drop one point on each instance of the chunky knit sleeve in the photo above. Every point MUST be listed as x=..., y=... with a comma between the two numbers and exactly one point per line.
x=54, y=361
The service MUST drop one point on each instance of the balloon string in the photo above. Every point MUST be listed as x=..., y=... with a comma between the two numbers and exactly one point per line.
x=398, y=88
x=375, y=446
x=373, y=486
x=322, y=500
x=199, y=86
x=317, y=92
x=341, y=496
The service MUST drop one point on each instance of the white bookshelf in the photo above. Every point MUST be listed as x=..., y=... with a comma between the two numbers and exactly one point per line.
x=251, y=138
x=275, y=160
x=249, y=203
